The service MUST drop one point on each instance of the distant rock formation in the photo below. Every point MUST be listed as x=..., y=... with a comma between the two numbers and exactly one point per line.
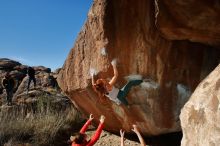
x=46, y=82
x=16, y=69
x=164, y=42
x=7, y=64
x=200, y=117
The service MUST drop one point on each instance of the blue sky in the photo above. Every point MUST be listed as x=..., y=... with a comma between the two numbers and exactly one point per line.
x=40, y=32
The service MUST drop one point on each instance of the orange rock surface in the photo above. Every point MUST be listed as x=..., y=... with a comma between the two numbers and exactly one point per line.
x=130, y=32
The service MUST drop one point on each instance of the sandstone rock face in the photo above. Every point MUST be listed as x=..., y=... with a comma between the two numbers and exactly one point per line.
x=200, y=117
x=126, y=30
x=193, y=20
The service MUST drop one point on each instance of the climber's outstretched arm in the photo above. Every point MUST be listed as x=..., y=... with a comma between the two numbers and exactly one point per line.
x=114, y=78
x=122, y=133
x=98, y=132
x=86, y=125
x=93, y=80
x=135, y=129
x=92, y=73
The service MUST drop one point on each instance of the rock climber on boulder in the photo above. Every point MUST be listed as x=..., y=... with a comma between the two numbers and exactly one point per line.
x=107, y=88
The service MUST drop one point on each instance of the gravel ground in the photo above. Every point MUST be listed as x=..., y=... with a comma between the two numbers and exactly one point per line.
x=108, y=139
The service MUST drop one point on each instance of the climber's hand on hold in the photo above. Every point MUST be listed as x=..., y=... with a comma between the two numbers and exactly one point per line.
x=92, y=72
x=114, y=62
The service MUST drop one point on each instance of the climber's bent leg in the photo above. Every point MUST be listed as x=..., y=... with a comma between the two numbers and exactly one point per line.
x=128, y=86
x=122, y=98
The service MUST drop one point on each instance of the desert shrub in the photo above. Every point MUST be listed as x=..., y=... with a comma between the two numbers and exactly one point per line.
x=42, y=125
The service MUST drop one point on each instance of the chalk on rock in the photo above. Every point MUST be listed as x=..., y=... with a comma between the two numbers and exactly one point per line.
x=103, y=51
x=133, y=77
x=114, y=62
x=93, y=72
x=149, y=84
x=183, y=91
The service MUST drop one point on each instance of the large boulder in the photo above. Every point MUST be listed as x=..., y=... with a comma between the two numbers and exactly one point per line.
x=200, y=117
x=193, y=20
x=126, y=30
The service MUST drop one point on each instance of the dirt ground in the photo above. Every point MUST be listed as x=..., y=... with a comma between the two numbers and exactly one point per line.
x=108, y=139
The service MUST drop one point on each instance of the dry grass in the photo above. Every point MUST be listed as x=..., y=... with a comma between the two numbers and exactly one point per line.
x=44, y=127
